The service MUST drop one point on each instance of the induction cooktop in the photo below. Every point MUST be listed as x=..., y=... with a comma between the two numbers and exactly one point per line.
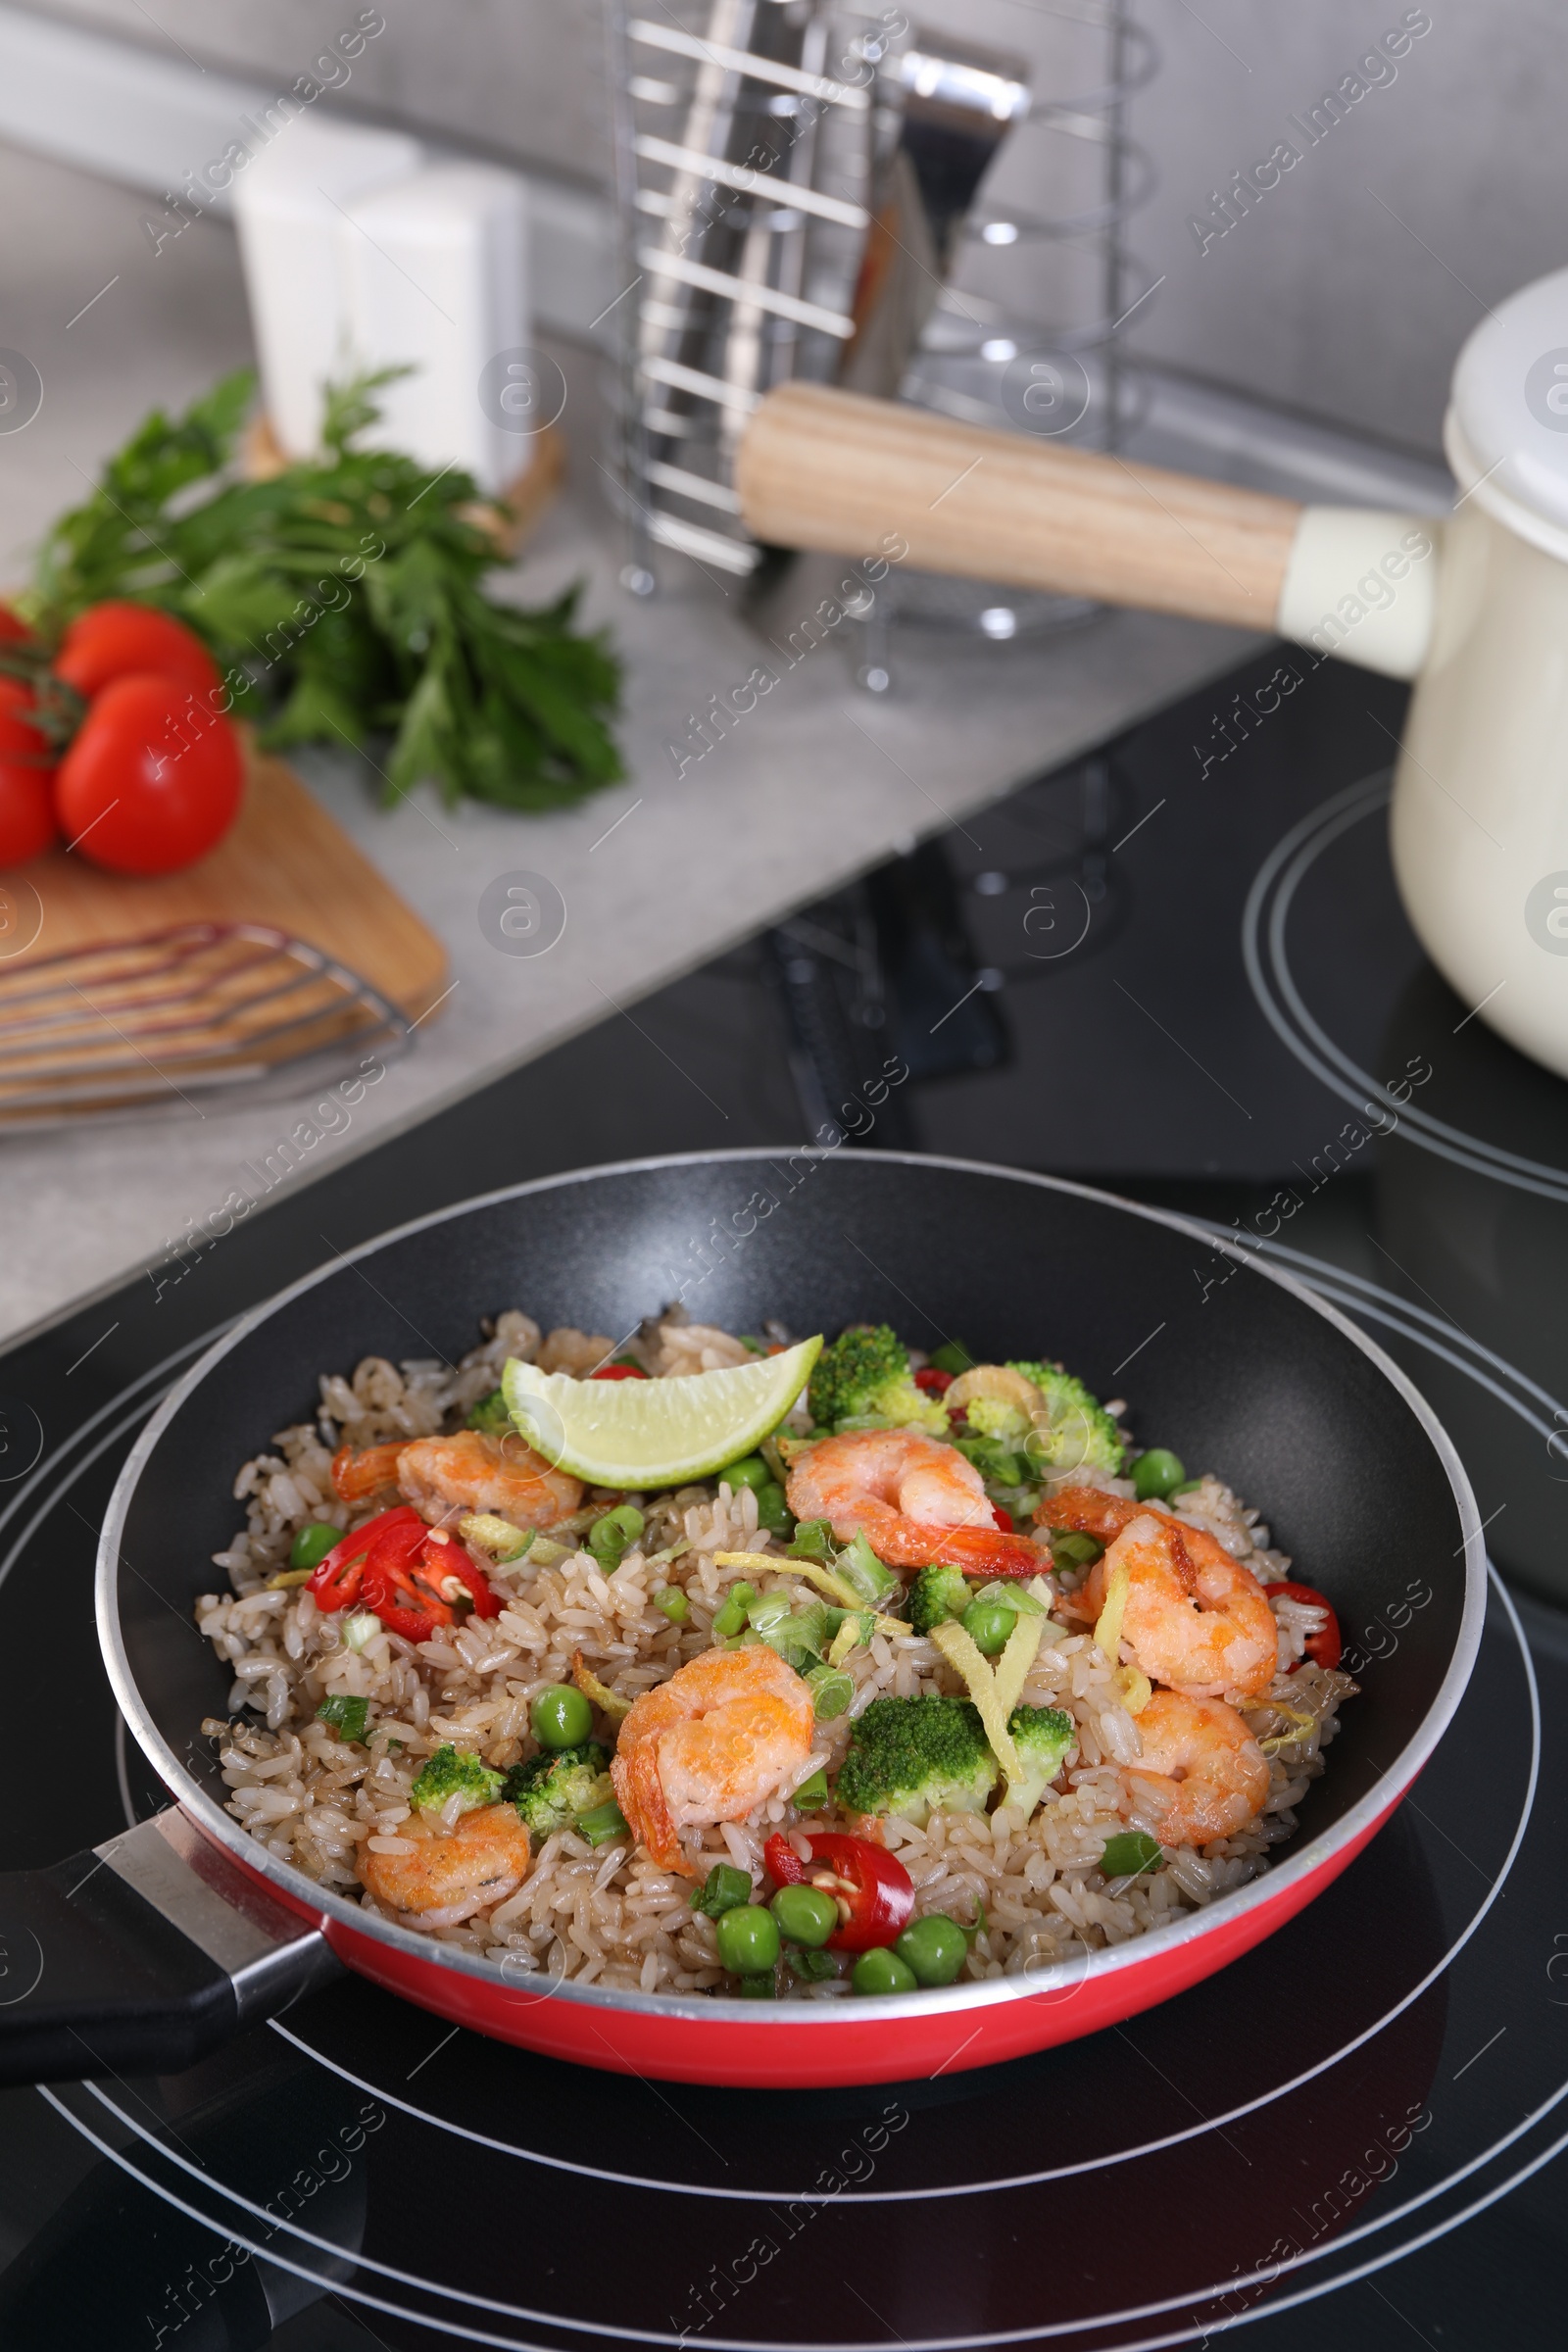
x=1182, y=980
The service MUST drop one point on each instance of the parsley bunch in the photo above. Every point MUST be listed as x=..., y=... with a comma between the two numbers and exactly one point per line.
x=343, y=599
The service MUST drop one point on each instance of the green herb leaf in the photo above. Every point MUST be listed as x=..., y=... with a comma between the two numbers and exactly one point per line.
x=343, y=599
x=347, y=1716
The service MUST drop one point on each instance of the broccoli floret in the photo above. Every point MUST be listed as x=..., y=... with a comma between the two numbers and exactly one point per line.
x=1042, y=1736
x=864, y=1378
x=909, y=1756
x=491, y=1414
x=935, y=1595
x=454, y=1771
x=1082, y=1434
x=995, y=1417
x=553, y=1791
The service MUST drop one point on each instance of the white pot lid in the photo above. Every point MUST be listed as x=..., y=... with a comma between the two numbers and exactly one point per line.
x=1506, y=431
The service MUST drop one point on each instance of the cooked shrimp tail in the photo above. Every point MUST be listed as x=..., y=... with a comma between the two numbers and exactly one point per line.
x=913, y=1499
x=726, y=1731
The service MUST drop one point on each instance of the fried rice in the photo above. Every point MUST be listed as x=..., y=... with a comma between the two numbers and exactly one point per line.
x=1034, y=1888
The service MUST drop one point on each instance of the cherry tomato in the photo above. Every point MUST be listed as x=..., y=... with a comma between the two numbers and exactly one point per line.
x=1324, y=1648
x=619, y=1372
x=120, y=641
x=872, y=1884
x=14, y=630
x=340, y=1576
x=149, y=784
x=26, y=784
x=934, y=1382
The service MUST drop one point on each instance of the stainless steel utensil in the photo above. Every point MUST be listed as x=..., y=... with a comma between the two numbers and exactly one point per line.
x=148, y=1024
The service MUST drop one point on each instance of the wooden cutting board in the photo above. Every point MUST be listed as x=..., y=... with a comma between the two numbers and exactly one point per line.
x=285, y=862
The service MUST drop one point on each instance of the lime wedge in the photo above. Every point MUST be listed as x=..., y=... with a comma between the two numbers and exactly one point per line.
x=646, y=1434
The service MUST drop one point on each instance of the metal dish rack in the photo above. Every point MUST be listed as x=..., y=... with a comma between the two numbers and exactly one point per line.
x=750, y=138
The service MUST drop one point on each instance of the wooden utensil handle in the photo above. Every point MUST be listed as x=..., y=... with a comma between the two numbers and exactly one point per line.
x=823, y=469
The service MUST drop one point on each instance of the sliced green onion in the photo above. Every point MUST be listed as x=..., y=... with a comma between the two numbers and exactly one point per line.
x=767, y=1610
x=831, y=1692
x=812, y=1968
x=812, y=1540
x=612, y=1535
x=357, y=1629
x=756, y=1989
x=602, y=1824
x=953, y=1356
x=1071, y=1549
x=723, y=1890
x=861, y=1569
x=1130, y=1854
x=675, y=1603
x=347, y=1716
x=732, y=1610
x=811, y=1794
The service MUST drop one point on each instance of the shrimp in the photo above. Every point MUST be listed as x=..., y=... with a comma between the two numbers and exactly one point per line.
x=450, y=1874
x=726, y=1731
x=1090, y=1511
x=475, y=1472
x=1195, y=1619
x=1201, y=1763
x=913, y=1499
x=359, y=1476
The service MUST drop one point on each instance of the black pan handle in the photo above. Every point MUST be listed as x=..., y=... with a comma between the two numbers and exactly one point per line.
x=141, y=1956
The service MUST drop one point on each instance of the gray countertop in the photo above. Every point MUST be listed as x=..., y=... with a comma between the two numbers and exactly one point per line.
x=818, y=782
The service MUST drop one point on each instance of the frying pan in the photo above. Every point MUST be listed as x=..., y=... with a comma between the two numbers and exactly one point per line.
x=145, y=1953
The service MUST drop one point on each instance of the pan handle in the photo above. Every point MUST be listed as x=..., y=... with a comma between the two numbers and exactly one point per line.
x=141, y=1956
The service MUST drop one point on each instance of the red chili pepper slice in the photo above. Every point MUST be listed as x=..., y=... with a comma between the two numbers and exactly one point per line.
x=934, y=1382
x=406, y=1593
x=1324, y=1648
x=619, y=1372
x=442, y=1561
x=1003, y=1519
x=339, y=1576
x=874, y=1885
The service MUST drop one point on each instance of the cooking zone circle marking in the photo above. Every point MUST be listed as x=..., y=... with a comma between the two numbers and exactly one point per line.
x=1265, y=951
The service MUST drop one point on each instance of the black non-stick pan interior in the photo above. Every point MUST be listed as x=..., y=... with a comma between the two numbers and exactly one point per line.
x=1217, y=1359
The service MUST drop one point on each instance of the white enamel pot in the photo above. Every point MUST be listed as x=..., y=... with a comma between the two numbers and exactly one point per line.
x=1472, y=608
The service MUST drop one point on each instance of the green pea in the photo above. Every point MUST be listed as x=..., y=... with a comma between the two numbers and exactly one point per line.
x=882, y=1971
x=311, y=1544
x=560, y=1716
x=988, y=1623
x=805, y=1914
x=772, y=1511
x=747, y=1938
x=750, y=1471
x=673, y=1600
x=731, y=1616
x=934, y=1948
x=1157, y=1473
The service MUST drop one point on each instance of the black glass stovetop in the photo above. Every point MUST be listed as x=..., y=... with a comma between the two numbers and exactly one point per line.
x=1175, y=978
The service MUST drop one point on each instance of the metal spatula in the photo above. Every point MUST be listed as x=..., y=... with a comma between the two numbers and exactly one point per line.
x=152, y=1024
